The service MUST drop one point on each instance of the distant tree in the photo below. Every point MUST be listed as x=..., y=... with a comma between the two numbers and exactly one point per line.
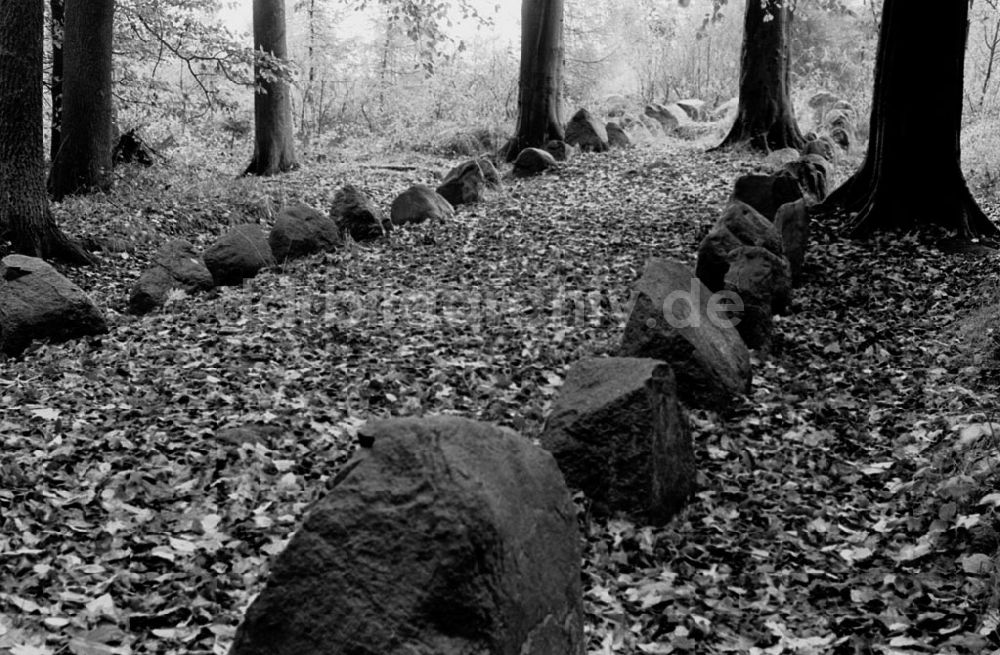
x=539, y=91
x=912, y=175
x=765, y=120
x=83, y=159
x=56, y=23
x=274, y=143
x=25, y=219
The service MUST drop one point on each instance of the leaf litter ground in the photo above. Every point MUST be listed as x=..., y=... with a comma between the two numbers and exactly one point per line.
x=848, y=505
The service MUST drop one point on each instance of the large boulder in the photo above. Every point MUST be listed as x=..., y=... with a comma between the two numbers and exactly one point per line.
x=675, y=318
x=300, y=231
x=586, y=132
x=532, y=161
x=763, y=282
x=176, y=265
x=617, y=137
x=355, y=213
x=467, y=182
x=739, y=225
x=619, y=436
x=419, y=203
x=792, y=223
x=443, y=537
x=766, y=193
x=38, y=303
x=671, y=117
x=238, y=254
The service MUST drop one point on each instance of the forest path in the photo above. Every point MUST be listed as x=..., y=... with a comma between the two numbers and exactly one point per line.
x=816, y=522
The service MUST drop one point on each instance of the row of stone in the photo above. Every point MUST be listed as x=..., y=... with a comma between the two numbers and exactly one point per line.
x=300, y=231
x=587, y=134
x=38, y=303
x=448, y=536
x=617, y=428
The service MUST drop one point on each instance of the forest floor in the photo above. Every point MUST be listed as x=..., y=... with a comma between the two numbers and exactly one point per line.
x=848, y=505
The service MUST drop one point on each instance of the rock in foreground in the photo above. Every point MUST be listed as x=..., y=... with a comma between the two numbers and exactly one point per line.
x=445, y=537
x=37, y=303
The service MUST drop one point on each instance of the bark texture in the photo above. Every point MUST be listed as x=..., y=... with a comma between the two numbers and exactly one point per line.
x=912, y=174
x=539, y=92
x=274, y=142
x=765, y=120
x=56, y=25
x=25, y=219
x=83, y=160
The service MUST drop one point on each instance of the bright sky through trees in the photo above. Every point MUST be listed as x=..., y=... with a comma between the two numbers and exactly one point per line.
x=505, y=15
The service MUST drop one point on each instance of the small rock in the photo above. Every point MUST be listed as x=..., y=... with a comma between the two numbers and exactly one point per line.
x=694, y=108
x=419, y=203
x=617, y=137
x=357, y=214
x=532, y=161
x=739, y=225
x=176, y=265
x=585, y=132
x=792, y=223
x=766, y=193
x=300, y=231
x=763, y=282
x=466, y=183
x=671, y=117
x=560, y=150
x=238, y=254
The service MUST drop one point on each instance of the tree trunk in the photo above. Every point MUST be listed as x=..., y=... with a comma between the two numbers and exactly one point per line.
x=274, y=144
x=24, y=208
x=912, y=175
x=58, y=21
x=765, y=120
x=83, y=161
x=540, y=87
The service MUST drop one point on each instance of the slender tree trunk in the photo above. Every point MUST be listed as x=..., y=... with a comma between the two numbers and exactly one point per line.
x=25, y=219
x=765, y=120
x=540, y=87
x=83, y=160
x=912, y=175
x=56, y=32
x=274, y=143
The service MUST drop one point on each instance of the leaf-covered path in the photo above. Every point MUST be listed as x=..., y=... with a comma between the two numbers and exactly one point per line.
x=843, y=504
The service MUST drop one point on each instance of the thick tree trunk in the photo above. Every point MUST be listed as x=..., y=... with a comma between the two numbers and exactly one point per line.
x=540, y=88
x=58, y=20
x=274, y=143
x=912, y=175
x=765, y=120
x=25, y=219
x=83, y=160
